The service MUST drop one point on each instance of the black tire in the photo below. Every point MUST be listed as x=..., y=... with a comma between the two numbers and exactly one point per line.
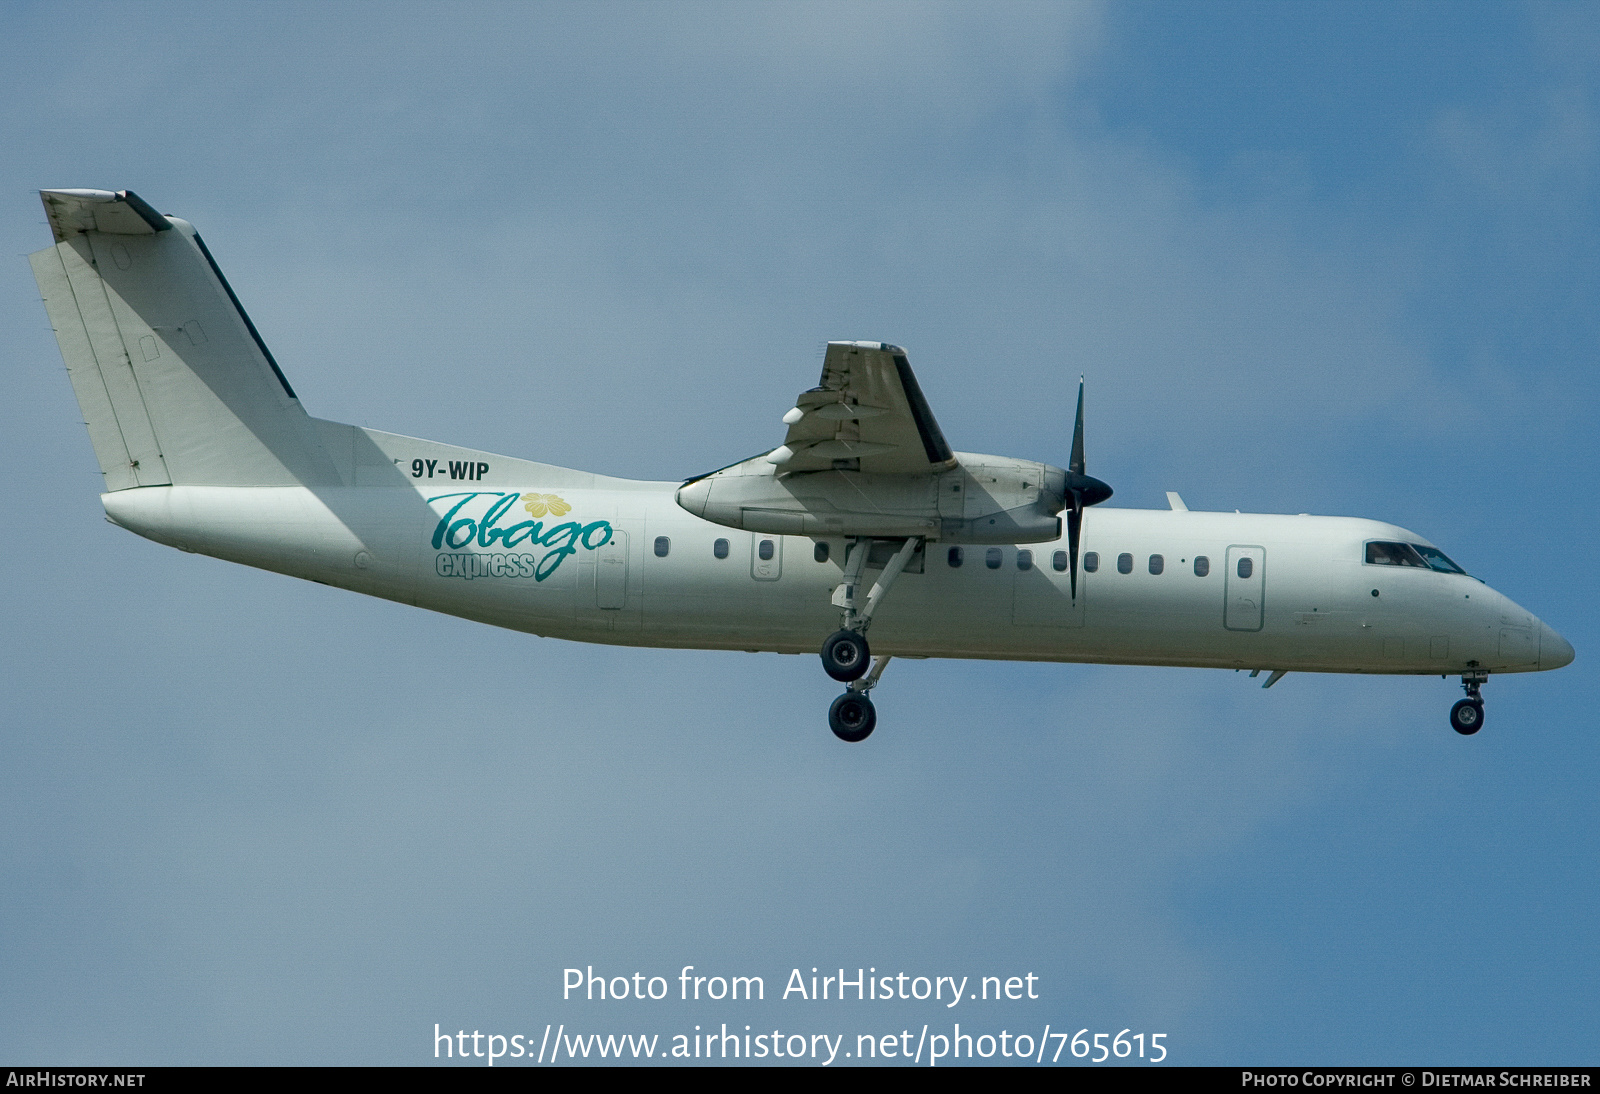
x=845, y=656
x=852, y=717
x=1466, y=717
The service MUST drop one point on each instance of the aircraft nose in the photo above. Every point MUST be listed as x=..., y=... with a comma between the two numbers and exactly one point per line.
x=1554, y=651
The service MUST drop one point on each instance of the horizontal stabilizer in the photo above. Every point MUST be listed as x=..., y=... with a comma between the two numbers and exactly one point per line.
x=122, y=213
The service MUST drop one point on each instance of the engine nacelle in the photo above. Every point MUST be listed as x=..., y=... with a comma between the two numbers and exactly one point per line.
x=984, y=499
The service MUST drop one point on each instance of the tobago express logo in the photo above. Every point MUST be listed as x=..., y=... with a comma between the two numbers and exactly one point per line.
x=474, y=522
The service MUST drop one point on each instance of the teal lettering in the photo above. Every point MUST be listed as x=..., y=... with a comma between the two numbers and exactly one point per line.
x=455, y=532
x=444, y=522
x=562, y=536
x=527, y=530
x=487, y=533
x=547, y=564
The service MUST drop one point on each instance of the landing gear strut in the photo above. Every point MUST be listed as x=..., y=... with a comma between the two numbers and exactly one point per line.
x=1466, y=717
x=846, y=655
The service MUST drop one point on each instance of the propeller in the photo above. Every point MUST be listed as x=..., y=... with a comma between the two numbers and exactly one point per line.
x=1082, y=491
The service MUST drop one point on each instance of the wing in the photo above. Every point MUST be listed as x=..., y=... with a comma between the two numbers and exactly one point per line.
x=867, y=414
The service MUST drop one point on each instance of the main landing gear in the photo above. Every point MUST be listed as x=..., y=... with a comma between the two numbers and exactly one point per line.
x=1466, y=717
x=852, y=717
x=846, y=655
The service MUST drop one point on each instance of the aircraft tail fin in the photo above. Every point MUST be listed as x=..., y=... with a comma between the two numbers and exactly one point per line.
x=175, y=383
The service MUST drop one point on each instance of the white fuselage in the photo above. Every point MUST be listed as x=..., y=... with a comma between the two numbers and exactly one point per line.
x=571, y=555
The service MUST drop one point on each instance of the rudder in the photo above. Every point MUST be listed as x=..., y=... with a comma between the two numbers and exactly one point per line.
x=175, y=384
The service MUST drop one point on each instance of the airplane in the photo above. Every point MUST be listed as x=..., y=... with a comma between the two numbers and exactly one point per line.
x=205, y=446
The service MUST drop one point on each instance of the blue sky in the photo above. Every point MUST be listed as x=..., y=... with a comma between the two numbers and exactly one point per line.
x=1331, y=258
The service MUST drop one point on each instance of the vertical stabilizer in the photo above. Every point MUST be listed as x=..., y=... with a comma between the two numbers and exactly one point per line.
x=174, y=381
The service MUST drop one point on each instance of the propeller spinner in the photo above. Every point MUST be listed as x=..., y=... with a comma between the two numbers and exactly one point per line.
x=1081, y=491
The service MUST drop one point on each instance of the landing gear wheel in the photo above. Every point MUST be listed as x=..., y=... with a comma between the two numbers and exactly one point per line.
x=852, y=717
x=1466, y=717
x=845, y=657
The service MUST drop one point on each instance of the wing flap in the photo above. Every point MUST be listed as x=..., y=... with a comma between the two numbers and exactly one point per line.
x=867, y=412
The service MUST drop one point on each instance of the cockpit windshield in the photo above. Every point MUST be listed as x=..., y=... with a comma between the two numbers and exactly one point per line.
x=1394, y=554
x=1438, y=560
x=1416, y=555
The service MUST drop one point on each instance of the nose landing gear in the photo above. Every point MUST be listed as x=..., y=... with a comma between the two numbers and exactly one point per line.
x=1466, y=717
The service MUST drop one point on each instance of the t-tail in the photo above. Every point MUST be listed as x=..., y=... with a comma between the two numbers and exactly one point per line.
x=175, y=383
x=203, y=443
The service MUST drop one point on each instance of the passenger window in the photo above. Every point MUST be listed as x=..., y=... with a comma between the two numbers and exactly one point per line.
x=1091, y=562
x=1124, y=563
x=1202, y=565
x=1059, y=561
x=820, y=551
x=991, y=558
x=1024, y=560
x=720, y=548
x=1246, y=567
x=663, y=545
x=1157, y=564
x=954, y=558
x=764, y=550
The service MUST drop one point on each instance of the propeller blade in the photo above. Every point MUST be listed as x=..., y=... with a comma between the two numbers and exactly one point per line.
x=1081, y=491
x=1074, y=525
x=1076, y=464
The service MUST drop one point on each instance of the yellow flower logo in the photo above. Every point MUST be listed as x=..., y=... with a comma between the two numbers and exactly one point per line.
x=540, y=504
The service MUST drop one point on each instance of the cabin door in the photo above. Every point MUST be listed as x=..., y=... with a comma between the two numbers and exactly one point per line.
x=1244, y=588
